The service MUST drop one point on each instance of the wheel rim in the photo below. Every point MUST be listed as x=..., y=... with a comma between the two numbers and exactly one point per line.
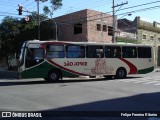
x=53, y=76
x=121, y=73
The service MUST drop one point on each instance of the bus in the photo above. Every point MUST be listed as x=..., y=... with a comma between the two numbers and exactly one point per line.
x=53, y=60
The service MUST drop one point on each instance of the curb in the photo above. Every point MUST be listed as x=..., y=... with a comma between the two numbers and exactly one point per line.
x=158, y=70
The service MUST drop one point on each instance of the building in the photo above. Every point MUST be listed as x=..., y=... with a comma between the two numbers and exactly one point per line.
x=146, y=32
x=84, y=26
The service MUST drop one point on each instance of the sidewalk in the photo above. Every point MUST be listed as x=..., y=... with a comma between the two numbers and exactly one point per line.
x=157, y=69
x=5, y=69
x=5, y=73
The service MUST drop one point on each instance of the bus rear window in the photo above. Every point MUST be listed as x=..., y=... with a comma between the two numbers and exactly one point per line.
x=144, y=52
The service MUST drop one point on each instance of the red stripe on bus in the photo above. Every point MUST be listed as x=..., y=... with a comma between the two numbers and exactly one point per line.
x=68, y=70
x=133, y=68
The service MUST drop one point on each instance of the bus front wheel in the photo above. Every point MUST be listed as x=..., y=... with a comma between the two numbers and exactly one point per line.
x=121, y=73
x=53, y=76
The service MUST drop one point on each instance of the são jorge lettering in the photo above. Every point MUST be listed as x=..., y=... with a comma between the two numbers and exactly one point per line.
x=68, y=63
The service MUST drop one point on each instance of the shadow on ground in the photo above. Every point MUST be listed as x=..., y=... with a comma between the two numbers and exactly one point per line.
x=109, y=109
x=8, y=75
x=11, y=81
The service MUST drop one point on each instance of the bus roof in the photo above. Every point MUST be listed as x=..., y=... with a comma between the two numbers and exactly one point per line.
x=85, y=43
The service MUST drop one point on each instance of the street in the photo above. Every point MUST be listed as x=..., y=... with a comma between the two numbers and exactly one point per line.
x=135, y=93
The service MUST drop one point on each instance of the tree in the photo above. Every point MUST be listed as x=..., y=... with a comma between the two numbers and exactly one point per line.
x=13, y=32
x=32, y=23
x=9, y=32
x=29, y=30
x=55, y=4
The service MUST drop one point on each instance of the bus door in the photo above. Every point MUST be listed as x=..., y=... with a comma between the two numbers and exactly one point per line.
x=33, y=59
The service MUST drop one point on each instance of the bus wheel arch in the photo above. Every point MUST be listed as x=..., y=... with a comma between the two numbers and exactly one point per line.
x=54, y=75
x=121, y=73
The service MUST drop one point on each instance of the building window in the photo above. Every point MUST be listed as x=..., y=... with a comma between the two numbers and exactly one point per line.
x=144, y=37
x=104, y=28
x=158, y=39
x=78, y=28
x=151, y=37
x=110, y=31
x=98, y=27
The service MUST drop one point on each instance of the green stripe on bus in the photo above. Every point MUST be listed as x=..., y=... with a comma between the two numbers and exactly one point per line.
x=147, y=70
x=42, y=70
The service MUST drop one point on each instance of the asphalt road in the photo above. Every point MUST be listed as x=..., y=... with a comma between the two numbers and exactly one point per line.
x=136, y=93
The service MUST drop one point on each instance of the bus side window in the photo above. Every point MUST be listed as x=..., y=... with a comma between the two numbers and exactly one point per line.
x=55, y=51
x=129, y=52
x=94, y=51
x=99, y=53
x=107, y=52
x=75, y=51
x=112, y=52
x=116, y=52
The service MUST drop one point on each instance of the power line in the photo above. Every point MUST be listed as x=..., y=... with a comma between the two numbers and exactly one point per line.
x=85, y=20
x=119, y=10
x=139, y=5
x=145, y=9
x=94, y=6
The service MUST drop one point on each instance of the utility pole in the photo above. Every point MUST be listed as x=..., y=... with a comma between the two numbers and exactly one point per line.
x=114, y=26
x=38, y=20
x=155, y=47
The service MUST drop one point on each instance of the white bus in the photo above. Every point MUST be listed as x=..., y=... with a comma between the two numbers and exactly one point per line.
x=53, y=60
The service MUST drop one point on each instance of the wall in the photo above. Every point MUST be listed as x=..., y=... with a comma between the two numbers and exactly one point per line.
x=66, y=26
x=89, y=20
x=94, y=18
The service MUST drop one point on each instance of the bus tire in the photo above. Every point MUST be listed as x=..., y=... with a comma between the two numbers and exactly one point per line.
x=121, y=73
x=53, y=76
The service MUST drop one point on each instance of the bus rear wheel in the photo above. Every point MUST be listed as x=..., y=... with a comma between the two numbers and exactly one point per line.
x=121, y=73
x=53, y=76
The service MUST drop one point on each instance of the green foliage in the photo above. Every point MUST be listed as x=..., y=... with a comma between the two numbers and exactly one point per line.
x=126, y=40
x=9, y=31
x=13, y=31
x=55, y=4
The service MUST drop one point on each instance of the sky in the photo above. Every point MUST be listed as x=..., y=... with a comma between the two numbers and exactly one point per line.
x=9, y=8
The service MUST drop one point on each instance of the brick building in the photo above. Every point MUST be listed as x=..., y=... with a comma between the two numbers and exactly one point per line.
x=85, y=26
